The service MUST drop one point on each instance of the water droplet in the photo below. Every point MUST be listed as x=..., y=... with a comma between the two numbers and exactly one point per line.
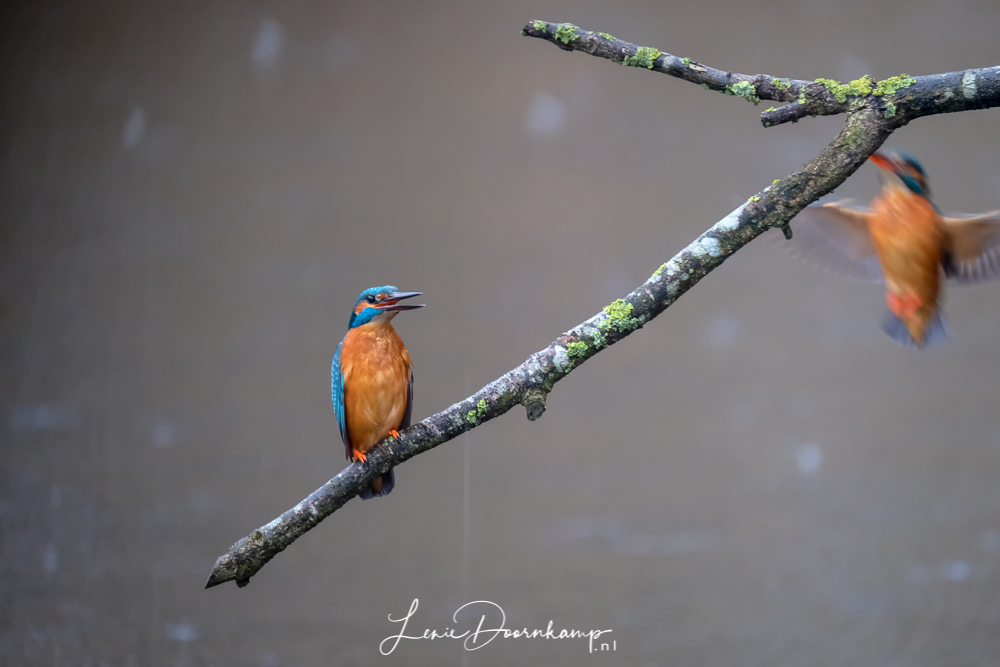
x=956, y=570
x=135, y=128
x=182, y=632
x=809, y=459
x=164, y=434
x=50, y=559
x=41, y=417
x=268, y=44
x=545, y=114
x=723, y=331
x=990, y=540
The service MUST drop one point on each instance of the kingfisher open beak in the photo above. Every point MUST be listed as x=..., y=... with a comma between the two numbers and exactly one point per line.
x=911, y=176
x=390, y=302
x=884, y=162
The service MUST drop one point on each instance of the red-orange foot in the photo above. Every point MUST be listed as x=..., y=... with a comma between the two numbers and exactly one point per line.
x=360, y=456
x=903, y=305
x=394, y=433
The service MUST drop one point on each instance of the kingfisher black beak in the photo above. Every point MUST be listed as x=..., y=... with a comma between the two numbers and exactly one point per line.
x=390, y=302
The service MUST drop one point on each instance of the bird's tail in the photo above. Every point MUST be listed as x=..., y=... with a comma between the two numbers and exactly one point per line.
x=935, y=333
x=380, y=487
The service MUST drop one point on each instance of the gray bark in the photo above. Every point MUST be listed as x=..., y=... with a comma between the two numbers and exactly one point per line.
x=870, y=119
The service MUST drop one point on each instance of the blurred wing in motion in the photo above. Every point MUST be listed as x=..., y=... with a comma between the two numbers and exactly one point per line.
x=975, y=248
x=836, y=238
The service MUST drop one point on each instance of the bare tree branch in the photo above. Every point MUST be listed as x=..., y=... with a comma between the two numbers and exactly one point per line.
x=900, y=98
x=869, y=123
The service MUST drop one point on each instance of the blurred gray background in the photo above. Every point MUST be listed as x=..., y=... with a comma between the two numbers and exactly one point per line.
x=193, y=194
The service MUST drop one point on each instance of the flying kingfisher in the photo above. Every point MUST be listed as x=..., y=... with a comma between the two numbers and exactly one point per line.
x=903, y=239
x=372, y=378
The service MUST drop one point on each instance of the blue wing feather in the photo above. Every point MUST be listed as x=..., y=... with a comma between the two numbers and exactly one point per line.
x=337, y=391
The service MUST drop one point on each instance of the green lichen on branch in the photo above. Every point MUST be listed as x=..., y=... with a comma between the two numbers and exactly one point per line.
x=745, y=90
x=686, y=61
x=841, y=91
x=566, y=33
x=608, y=36
x=890, y=110
x=659, y=271
x=539, y=26
x=619, y=317
x=770, y=109
x=781, y=85
x=577, y=349
x=754, y=198
x=473, y=416
x=892, y=84
x=645, y=56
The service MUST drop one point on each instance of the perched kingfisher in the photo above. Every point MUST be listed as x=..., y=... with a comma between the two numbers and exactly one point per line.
x=903, y=239
x=372, y=378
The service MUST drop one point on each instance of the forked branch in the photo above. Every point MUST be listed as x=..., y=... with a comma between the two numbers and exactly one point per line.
x=871, y=118
x=900, y=98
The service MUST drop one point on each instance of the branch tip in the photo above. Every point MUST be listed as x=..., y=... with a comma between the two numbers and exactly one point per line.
x=216, y=576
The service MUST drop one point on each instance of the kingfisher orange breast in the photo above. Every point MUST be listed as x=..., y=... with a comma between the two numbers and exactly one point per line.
x=909, y=236
x=376, y=370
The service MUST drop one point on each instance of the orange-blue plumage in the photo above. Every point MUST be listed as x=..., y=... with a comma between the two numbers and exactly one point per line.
x=372, y=378
x=905, y=240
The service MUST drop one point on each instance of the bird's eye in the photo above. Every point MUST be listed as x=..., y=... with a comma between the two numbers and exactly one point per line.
x=370, y=298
